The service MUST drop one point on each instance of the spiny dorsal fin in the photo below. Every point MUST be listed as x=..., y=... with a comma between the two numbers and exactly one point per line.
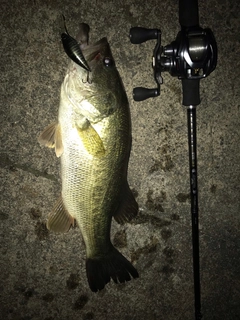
x=59, y=219
x=51, y=137
x=128, y=208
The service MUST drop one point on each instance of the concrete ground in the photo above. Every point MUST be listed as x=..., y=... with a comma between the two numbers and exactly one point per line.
x=42, y=273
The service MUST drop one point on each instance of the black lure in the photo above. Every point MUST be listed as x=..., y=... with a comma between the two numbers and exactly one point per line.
x=73, y=50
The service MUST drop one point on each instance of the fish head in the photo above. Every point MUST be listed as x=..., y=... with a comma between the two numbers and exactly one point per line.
x=104, y=83
x=99, y=92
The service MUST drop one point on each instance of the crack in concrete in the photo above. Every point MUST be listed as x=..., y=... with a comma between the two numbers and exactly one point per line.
x=6, y=162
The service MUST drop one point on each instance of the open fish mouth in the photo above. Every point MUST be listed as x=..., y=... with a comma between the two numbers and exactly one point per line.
x=79, y=49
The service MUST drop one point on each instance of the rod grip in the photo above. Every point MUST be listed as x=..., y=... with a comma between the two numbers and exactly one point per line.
x=188, y=13
x=191, y=95
x=138, y=34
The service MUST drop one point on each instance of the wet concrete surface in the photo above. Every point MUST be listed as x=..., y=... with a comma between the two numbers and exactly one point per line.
x=42, y=273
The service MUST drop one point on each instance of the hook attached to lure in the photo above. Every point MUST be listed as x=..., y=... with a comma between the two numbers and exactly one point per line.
x=73, y=50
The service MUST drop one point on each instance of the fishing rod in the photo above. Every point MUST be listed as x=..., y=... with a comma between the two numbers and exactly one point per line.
x=190, y=57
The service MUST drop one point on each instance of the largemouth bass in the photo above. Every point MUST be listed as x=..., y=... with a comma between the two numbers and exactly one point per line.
x=92, y=137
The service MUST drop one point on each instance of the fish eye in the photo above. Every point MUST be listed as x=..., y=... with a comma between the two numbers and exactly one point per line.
x=108, y=62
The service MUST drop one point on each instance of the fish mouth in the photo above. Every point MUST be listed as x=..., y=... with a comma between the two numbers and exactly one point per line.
x=94, y=52
x=90, y=51
x=80, y=51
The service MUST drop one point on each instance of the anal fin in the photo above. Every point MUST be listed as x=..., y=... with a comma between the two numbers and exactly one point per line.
x=128, y=208
x=59, y=219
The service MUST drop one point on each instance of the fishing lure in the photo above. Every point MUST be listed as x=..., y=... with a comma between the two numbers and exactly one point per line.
x=73, y=50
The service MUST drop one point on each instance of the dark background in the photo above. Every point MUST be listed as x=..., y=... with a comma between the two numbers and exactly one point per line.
x=43, y=274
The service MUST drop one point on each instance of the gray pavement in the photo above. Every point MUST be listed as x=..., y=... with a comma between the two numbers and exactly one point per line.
x=43, y=274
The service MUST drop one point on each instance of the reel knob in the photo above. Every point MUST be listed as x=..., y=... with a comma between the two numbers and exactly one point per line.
x=138, y=35
x=140, y=93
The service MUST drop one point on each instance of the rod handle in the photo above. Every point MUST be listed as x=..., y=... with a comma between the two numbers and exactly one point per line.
x=191, y=95
x=188, y=13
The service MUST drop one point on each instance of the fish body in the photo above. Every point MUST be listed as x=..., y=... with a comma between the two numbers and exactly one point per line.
x=93, y=140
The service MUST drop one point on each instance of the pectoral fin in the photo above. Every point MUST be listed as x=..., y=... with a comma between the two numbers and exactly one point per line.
x=91, y=139
x=59, y=219
x=51, y=137
x=128, y=207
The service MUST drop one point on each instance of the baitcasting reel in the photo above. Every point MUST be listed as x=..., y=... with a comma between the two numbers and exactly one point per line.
x=192, y=56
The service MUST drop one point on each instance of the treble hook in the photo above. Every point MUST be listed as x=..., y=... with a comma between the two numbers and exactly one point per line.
x=88, y=79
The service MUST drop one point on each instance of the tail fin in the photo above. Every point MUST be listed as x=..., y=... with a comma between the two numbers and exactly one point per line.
x=114, y=265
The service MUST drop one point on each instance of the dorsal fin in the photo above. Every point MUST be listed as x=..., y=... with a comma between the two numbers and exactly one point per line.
x=128, y=208
x=51, y=137
x=59, y=219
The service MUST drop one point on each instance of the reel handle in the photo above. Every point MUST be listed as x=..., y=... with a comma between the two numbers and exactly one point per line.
x=139, y=35
x=140, y=93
